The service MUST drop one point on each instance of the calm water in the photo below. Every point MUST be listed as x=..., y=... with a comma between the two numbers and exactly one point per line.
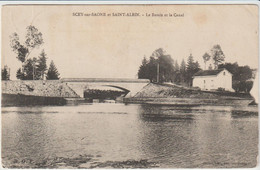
x=118, y=135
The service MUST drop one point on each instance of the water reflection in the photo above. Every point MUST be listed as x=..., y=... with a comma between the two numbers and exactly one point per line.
x=190, y=137
x=97, y=134
x=167, y=134
x=164, y=113
x=243, y=114
x=29, y=137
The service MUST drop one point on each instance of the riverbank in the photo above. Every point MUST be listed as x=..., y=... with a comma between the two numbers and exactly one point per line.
x=38, y=92
x=55, y=92
x=169, y=94
x=80, y=162
x=43, y=88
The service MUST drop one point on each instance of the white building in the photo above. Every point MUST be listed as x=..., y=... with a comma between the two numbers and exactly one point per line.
x=213, y=79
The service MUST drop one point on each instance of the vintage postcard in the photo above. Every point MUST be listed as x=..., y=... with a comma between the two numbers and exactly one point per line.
x=129, y=86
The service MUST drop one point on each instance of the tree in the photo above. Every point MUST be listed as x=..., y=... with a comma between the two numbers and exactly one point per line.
x=231, y=67
x=157, y=53
x=152, y=69
x=28, y=73
x=206, y=57
x=18, y=48
x=5, y=73
x=52, y=73
x=41, y=65
x=192, y=68
x=183, y=72
x=217, y=55
x=166, y=68
x=20, y=74
x=33, y=39
x=165, y=62
x=176, y=73
x=176, y=66
x=148, y=69
x=190, y=63
x=242, y=75
x=183, y=66
x=196, y=66
x=143, y=69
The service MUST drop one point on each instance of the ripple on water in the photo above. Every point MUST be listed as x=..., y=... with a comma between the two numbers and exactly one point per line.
x=129, y=136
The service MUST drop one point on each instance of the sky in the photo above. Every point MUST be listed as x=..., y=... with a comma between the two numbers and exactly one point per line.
x=114, y=46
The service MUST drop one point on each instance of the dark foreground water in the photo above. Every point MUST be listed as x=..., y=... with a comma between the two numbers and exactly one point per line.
x=129, y=136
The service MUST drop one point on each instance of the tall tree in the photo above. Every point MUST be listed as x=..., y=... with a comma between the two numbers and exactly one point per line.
x=5, y=73
x=52, y=73
x=152, y=69
x=33, y=39
x=18, y=48
x=143, y=69
x=176, y=73
x=165, y=67
x=36, y=73
x=217, y=55
x=192, y=68
x=183, y=66
x=29, y=69
x=206, y=57
x=42, y=66
x=183, y=72
x=148, y=69
x=190, y=63
x=157, y=53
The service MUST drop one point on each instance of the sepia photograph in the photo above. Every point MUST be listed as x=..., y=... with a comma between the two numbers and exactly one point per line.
x=135, y=86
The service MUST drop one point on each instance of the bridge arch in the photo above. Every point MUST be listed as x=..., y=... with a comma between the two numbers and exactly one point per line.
x=118, y=87
x=131, y=85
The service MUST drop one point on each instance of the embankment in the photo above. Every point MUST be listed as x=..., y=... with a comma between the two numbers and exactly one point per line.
x=162, y=93
x=42, y=92
x=45, y=88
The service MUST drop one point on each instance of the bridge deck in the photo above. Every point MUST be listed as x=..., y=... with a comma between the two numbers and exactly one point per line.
x=118, y=80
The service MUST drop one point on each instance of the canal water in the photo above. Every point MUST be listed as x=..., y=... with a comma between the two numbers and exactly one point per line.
x=134, y=136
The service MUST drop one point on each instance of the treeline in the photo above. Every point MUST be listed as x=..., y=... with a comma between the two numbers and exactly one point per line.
x=169, y=69
x=32, y=68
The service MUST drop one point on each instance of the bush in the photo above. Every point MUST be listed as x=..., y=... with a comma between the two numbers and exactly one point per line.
x=221, y=89
x=242, y=86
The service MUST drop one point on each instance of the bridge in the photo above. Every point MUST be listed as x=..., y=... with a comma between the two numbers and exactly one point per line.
x=131, y=86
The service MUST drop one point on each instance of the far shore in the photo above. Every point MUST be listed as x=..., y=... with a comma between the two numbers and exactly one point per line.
x=154, y=94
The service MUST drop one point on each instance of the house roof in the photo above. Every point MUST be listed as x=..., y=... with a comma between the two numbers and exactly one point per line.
x=208, y=72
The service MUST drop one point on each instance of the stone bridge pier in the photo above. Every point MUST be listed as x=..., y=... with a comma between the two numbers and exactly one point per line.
x=132, y=86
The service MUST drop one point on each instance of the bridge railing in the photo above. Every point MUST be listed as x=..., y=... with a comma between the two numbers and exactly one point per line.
x=119, y=80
